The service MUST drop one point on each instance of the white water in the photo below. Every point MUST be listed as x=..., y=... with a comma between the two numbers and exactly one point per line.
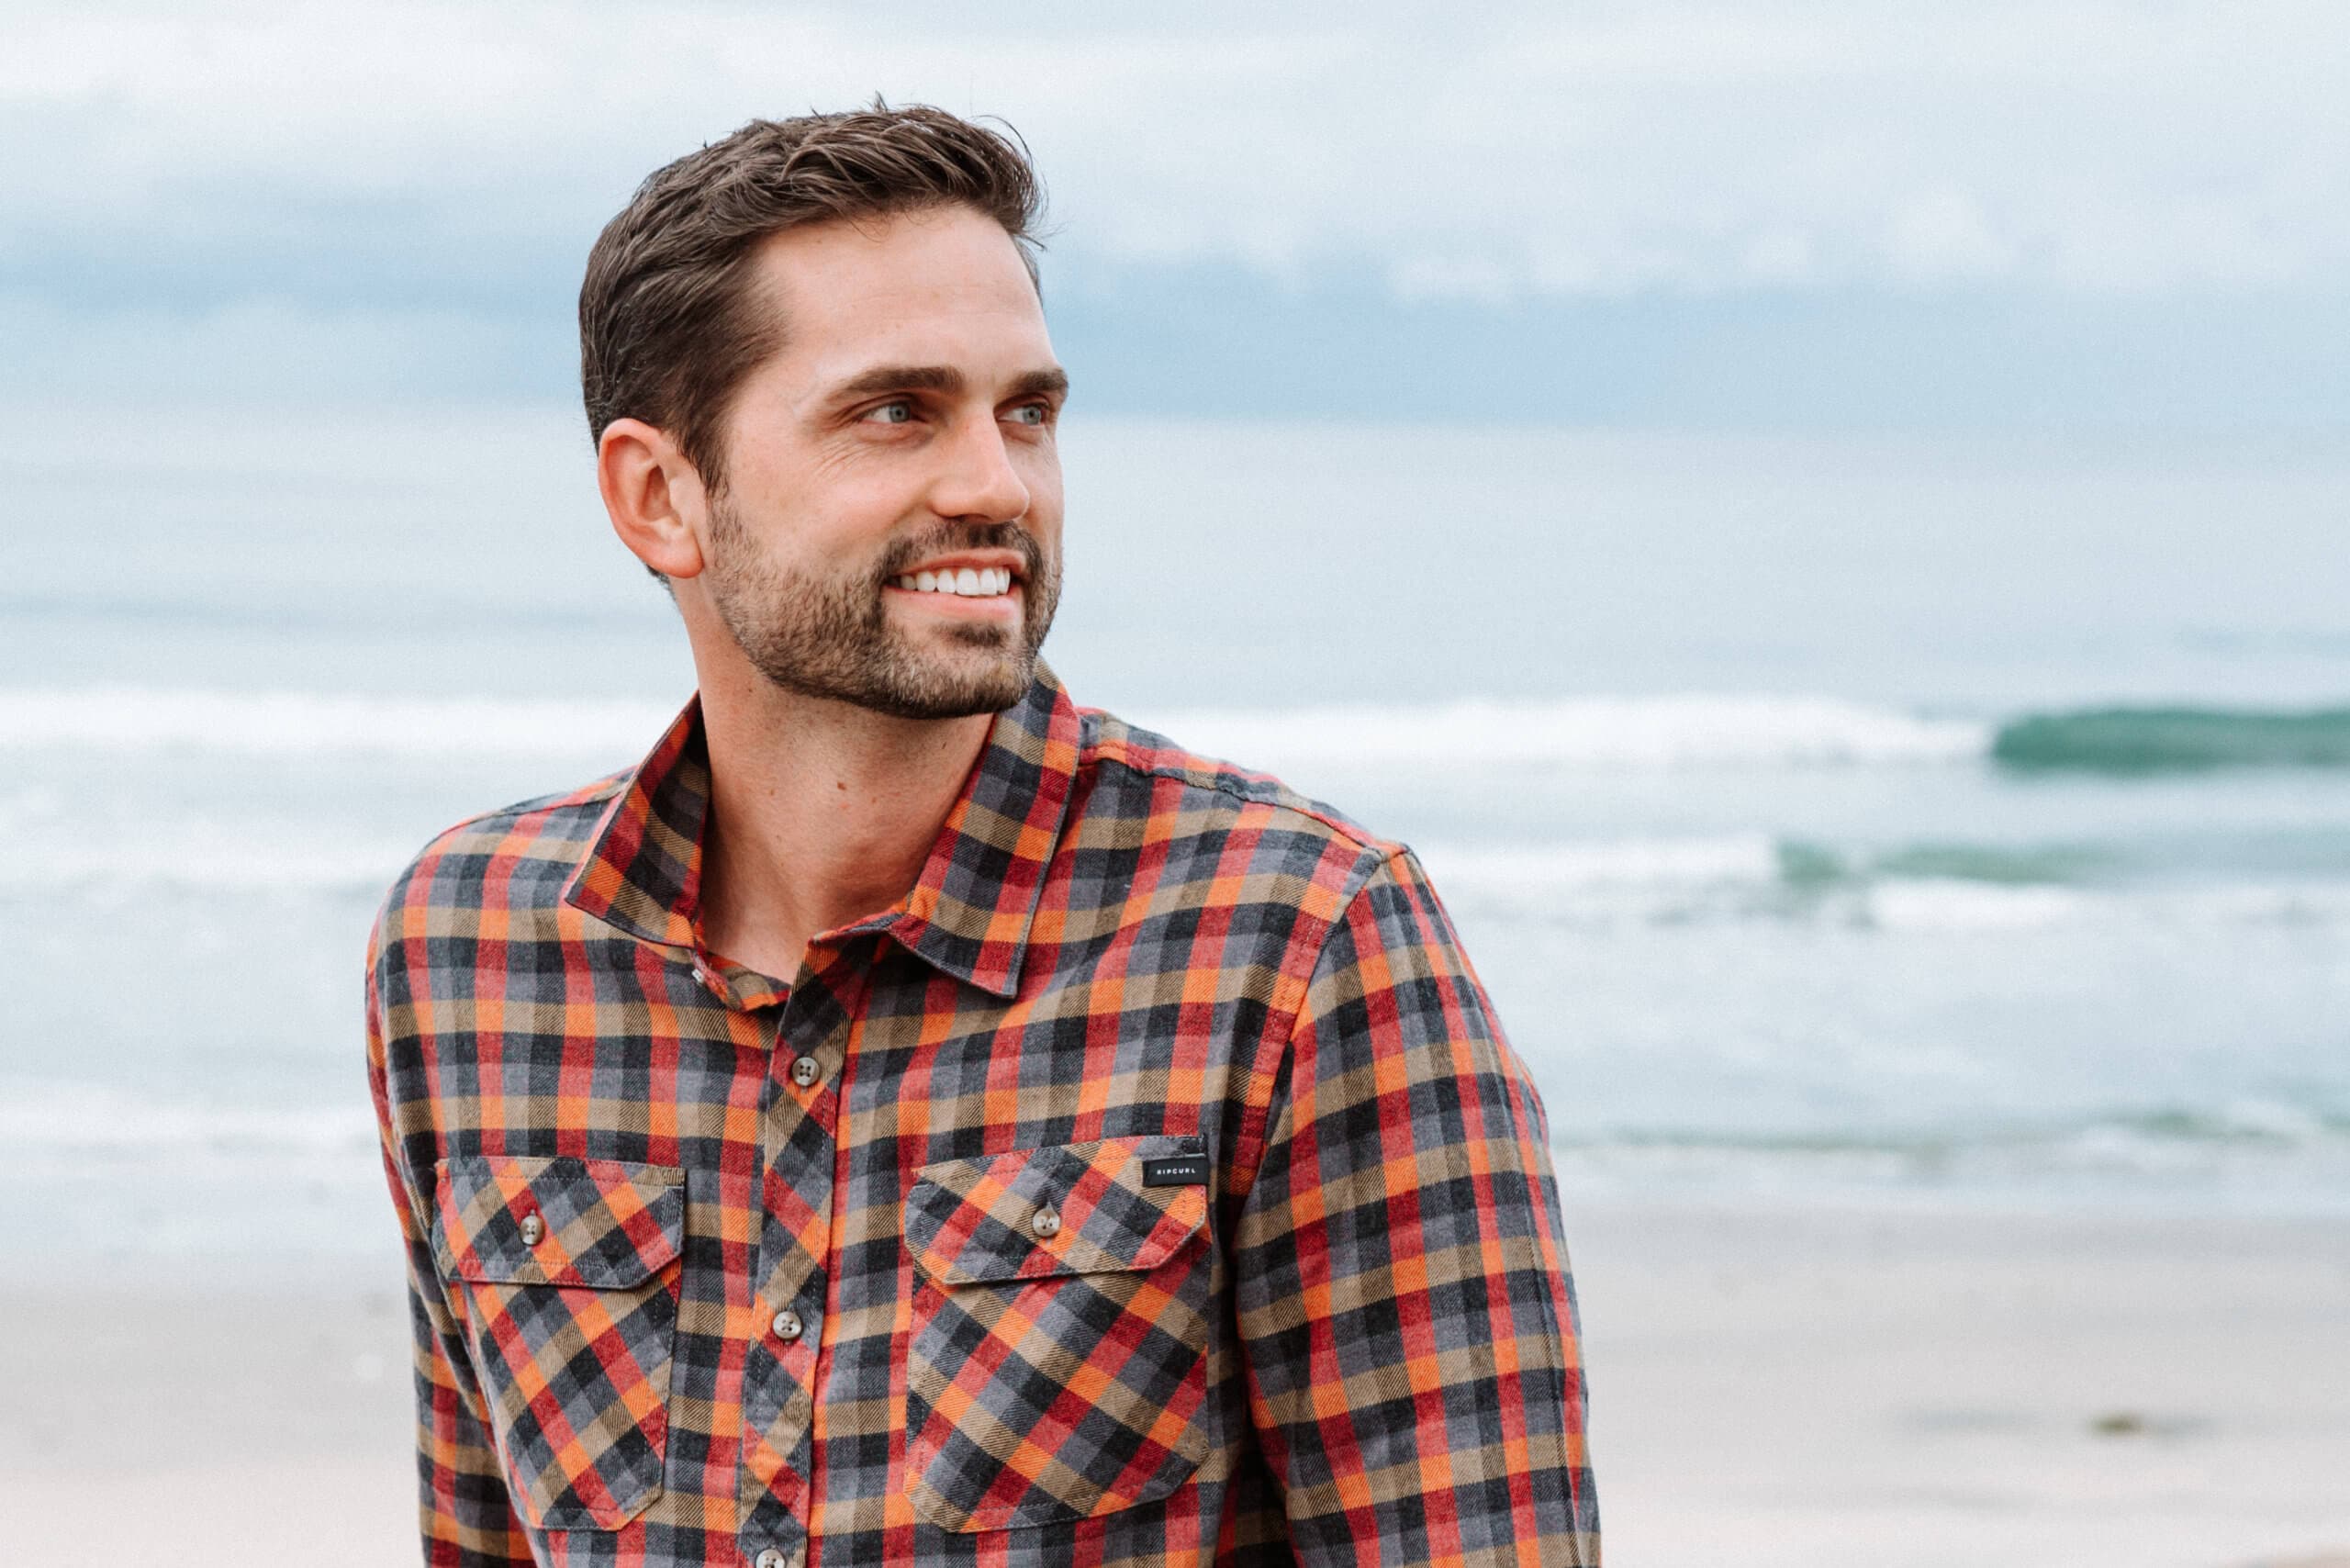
x=1666, y=732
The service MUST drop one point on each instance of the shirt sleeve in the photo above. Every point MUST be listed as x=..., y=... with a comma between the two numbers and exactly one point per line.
x=466, y=1516
x=1400, y=1278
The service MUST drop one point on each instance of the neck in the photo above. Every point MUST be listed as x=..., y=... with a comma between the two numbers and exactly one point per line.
x=822, y=813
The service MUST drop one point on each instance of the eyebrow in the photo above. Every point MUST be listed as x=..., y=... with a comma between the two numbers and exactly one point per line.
x=945, y=380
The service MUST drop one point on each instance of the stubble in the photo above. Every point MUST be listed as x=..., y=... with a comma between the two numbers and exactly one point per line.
x=828, y=635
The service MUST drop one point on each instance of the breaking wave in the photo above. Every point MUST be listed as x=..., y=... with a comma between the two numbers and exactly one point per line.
x=2173, y=740
x=1606, y=732
x=283, y=723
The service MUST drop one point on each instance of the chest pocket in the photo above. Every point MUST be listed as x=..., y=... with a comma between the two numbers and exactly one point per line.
x=1058, y=1361
x=569, y=1274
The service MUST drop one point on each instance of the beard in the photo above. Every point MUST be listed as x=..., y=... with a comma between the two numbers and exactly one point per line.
x=828, y=635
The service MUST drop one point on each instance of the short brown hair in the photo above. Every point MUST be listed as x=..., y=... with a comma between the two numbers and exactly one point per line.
x=667, y=329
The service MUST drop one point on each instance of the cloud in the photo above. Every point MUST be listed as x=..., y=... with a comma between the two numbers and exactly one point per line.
x=454, y=156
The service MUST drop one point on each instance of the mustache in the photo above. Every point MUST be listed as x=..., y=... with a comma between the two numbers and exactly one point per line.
x=953, y=536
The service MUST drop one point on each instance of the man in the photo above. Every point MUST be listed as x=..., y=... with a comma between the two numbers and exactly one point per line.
x=910, y=1118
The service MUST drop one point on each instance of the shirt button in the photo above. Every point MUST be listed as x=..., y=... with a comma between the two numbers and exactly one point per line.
x=773, y=1558
x=786, y=1325
x=532, y=1228
x=806, y=1070
x=701, y=976
x=1045, y=1221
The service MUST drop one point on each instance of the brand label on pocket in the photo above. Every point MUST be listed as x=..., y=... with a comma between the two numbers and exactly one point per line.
x=1176, y=1171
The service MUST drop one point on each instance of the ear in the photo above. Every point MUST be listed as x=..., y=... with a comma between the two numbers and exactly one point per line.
x=654, y=495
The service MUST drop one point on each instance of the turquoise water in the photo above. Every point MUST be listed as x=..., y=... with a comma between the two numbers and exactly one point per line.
x=1896, y=821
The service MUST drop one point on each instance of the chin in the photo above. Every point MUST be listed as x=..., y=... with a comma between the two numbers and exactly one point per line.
x=951, y=687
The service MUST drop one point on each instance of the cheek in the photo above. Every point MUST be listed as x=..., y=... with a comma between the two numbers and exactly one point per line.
x=849, y=496
x=1040, y=474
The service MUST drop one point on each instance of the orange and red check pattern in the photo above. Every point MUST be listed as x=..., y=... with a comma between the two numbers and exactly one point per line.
x=1152, y=1185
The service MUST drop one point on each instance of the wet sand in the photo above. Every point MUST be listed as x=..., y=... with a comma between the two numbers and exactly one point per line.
x=1774, y=1386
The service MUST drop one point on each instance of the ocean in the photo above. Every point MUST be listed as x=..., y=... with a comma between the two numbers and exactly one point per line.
x=1898, y=820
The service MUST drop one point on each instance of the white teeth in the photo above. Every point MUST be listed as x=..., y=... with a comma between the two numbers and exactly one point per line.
x=966, y=582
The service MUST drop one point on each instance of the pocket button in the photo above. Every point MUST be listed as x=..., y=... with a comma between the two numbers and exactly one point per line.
x=533, y=1227
x=1046, y=1221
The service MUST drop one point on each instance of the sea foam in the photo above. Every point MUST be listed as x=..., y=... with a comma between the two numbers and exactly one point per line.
x=1600, y=731
x=1669, y=732
x=141, y=719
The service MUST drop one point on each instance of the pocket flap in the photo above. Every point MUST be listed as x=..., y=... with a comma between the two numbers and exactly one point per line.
x=973, y=1220
x=604, y=1223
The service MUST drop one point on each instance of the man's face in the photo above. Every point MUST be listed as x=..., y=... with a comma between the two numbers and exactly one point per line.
x=903, y=436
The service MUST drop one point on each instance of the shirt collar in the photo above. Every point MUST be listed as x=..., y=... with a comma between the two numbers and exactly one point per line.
x=968, y=914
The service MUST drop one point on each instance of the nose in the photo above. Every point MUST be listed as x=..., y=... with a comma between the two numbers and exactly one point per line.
x=978, y=479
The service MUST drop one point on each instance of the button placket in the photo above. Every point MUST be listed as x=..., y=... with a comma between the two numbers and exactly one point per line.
x=794, y=1241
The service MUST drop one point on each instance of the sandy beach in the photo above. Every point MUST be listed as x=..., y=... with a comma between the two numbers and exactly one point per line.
x=1891, y=1388
x=1770, y=1386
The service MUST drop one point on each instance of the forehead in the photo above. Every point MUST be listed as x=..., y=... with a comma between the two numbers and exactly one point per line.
x=941, y=287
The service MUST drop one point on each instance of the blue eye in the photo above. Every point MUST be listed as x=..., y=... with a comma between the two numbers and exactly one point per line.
x=898, y=413
x=1031, y=414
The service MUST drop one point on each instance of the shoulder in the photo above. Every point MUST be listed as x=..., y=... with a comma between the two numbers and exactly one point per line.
x=517, y=857
x=1218, y=787
x=1191, y=796
x=1370, y=892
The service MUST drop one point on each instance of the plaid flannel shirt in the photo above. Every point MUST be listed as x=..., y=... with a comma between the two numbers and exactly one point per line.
x=1152, y=1185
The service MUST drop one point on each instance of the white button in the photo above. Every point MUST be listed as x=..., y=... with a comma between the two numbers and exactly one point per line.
x=532, y=1228
x=1045, y=1221
x=701, y=976
x=786, y=1325
x=773, y=1558
x=806, y=1070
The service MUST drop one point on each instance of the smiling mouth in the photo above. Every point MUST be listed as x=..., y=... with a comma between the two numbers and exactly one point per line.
x=969, y=582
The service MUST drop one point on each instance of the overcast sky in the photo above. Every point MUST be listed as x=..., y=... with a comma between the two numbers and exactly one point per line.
x=1788, y=212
